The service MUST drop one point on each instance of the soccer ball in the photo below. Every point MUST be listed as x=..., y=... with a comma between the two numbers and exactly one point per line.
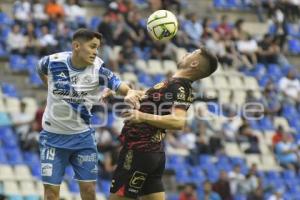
x=162, y=25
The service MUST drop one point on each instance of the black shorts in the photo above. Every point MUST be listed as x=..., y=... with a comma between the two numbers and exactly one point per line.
x=138, y=173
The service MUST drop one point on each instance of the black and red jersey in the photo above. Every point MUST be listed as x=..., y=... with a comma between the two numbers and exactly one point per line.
x=158, y=100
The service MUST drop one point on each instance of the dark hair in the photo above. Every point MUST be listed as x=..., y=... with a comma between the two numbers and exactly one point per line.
x=211, y=59
x=86, y=35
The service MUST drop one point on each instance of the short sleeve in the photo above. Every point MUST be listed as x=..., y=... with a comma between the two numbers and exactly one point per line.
x=108, y=78
x=181, y=96
x=42, y=67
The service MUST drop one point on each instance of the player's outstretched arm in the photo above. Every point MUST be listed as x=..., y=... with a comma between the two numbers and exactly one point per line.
x=174, y=121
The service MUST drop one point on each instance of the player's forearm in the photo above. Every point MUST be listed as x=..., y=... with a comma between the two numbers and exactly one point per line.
x=170, y=122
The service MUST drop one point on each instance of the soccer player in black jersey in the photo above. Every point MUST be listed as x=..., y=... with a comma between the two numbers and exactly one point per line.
x=142, y=160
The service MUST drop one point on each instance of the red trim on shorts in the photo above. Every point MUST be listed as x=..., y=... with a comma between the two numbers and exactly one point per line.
x=121, y=191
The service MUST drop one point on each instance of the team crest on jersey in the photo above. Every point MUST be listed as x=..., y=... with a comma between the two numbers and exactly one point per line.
x=159, y=85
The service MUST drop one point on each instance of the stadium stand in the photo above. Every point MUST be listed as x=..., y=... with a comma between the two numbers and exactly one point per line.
x=257, y=159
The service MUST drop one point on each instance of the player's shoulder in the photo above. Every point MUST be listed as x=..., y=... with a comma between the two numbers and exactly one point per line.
x=59, y=57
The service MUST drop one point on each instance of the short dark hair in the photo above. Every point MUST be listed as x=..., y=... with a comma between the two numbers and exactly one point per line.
x=86, y=35
x=211, y=59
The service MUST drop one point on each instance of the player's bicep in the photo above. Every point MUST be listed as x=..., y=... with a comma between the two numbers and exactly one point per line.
x=108, y=79
x=42, y=69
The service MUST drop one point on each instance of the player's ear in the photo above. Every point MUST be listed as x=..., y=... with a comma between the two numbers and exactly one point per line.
x=75, y=45
x=194, y=64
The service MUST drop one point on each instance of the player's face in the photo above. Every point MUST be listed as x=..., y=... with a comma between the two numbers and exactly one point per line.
x=88, y=50
x=189, y=59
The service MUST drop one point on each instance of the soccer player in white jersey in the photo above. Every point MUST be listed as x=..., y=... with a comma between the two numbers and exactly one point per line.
x=73, y=80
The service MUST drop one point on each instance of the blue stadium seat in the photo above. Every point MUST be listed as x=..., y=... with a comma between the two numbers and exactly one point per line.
x=294, y=46
x=73, y=186
x=9, y=90
x=105, y=186
x=5, y=19
x=3, y=52
x=3, y=158
x=16, y=63
x=31, y=63
x=94, y=23
x=266, y=124
x=145, y=79
x=14, y=156
x=35, y=80
x=274, y=71
x=172, y=196
x=198, y=175
x=240, y=197
x=272, y=175
x=219, y=4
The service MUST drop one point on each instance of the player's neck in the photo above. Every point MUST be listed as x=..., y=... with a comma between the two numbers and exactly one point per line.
x=181, y=74
x=77, y=63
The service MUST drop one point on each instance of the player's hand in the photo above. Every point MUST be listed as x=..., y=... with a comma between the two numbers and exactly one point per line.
x=133, y=97
x=133, y=116
x=107, y=93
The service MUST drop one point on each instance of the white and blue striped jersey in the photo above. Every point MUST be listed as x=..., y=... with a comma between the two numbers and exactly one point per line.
x=72, y=92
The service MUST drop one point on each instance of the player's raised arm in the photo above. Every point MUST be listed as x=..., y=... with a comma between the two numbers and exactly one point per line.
x=42, y=69
x=121, y=88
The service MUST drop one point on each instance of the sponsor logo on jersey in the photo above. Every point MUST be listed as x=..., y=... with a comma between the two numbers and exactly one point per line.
x=46, y=169
x=87, y=158
x=137, y=180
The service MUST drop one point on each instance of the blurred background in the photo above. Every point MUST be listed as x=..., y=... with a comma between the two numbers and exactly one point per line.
x=227, y=157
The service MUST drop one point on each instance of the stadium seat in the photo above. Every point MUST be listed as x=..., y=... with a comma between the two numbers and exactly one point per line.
x=9, y=90
x=17, y=63
x=31, y=105
x=235, y=83
x=266, y=124
x=232, y=149
x=31, y=63
x=294, y=46
x=251, y=83
x=130, y=77
x=253, y=159
x=268, y=137
x=35, y=80
x=180, y=52
x=155, y=67
x=2, y=106
x=27, y=188
x=95, y=22
x=141, y=65
x=224, y=96
x=11, y=188
x=14, y=156
x=280, y=121
x=105, y=186
x=269, y=162
x=239, y=97
x=169, y=66
x=207, y=83
x=22, y=172
x=13, y=105
x=220, y=82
